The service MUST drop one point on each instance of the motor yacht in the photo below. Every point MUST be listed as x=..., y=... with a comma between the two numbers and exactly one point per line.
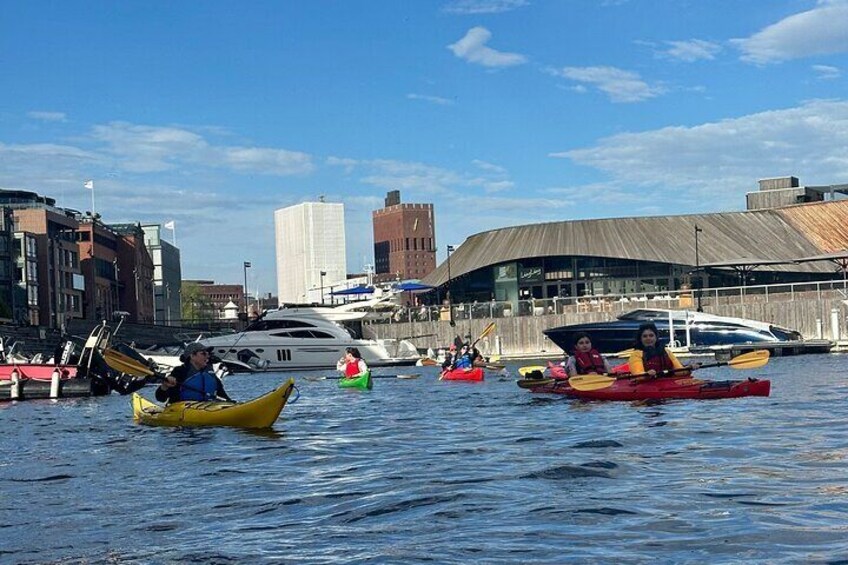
x=677, y=328
x=313, y=337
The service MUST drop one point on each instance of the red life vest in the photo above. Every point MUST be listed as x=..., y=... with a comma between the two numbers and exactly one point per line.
x=589, y=362
x=352, y=369
x=658, y=363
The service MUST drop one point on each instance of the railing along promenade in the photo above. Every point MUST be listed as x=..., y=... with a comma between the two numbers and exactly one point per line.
x=805, y=306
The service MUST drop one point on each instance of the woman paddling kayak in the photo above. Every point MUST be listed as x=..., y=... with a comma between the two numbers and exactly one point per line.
x=352, y=365
x=651, y=357
x=586, y=360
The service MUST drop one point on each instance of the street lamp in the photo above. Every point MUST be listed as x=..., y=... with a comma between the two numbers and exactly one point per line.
x=699, y=279
x=323, y=274
x=450, y=249
x=246, y=266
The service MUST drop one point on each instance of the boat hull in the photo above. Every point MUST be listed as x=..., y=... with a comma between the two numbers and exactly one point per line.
x=34, y=389
x=258, y=413
x=619, y=335
x=475, y=374
x=362, y=382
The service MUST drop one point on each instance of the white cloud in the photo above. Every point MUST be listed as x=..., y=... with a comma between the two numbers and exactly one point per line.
x=618, y=84
x=820, y=31
x=466, y=7
x=48, y=116
x=472, y=48
x=146, y=149
x=715, y=160
x=438, y=100
x=826, y=72
x=692, y=50
x=489, y=167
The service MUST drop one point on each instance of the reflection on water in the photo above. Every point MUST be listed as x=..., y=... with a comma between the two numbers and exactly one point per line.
x=422, y=470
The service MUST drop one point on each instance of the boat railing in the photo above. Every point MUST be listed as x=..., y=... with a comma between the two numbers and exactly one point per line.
x=616, y=304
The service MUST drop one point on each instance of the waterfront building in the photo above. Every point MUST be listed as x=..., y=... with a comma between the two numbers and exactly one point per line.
x=135, y=273
x=8, y=282
x=310, y=249
x=167, y=276
x=59, y=279
x=98, y=253
x=648, y=255
x=25, y=299
x=404, y=240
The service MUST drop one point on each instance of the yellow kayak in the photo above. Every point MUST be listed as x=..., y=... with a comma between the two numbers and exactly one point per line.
x=261, y=412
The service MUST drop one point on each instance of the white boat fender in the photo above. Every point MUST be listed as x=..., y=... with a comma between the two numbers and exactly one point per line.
x=54, y=384
x=15, y=390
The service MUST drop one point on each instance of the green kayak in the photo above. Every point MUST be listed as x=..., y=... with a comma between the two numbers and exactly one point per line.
x=361, y=381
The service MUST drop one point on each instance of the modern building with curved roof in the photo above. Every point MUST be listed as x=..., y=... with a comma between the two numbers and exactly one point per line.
x=648, y=254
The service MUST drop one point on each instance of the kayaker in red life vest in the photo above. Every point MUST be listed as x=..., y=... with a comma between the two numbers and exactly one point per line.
x=651, y=357
x=352, y=364
x=585, y=360
x=194, y=379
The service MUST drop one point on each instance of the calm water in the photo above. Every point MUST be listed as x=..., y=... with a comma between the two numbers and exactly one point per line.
x=420, y=470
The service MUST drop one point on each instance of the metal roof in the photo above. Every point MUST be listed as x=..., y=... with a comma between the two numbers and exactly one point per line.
x=780, y=234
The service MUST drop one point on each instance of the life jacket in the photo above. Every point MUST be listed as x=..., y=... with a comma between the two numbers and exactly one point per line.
x=352, y=368
x=658, y=363
x=199, y=386
x=463, y=362
x=589, y=362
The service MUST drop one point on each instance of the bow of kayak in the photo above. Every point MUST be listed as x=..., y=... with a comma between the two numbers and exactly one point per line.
x=475, y=374
x=260, y=412
x=362, y=381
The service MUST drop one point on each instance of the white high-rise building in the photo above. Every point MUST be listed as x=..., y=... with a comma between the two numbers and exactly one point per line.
x=310, y=239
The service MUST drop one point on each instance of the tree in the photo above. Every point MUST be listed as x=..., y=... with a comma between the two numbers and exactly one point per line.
x=196, y=306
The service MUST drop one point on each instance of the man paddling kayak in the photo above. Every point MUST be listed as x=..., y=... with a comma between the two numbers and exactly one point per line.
x=194, y=379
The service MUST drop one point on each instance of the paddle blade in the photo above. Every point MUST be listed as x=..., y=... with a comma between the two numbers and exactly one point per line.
x=590, y=382
x=533, y=383
x=752, y=360
x=125, y=364
x=487, y=330
x=530, y=368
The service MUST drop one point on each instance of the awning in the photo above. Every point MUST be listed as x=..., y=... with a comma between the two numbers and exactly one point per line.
x=354, y=291
x=413, y=287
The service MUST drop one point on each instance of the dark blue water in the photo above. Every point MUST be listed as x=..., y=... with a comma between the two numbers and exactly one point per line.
x=421, y=470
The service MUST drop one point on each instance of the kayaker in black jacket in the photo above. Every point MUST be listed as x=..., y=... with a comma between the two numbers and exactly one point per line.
x=194, y=379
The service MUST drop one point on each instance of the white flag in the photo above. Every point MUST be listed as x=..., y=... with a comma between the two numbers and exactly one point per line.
x=169, y=225
x=89, y=184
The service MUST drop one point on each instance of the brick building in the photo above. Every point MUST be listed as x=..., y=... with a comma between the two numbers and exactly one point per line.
x=212, y=299
x=59, y=279
x=135, y=273
x=404, y=240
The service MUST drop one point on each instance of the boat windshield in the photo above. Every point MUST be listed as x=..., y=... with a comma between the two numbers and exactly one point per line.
x=650, y=315
x=265, y=325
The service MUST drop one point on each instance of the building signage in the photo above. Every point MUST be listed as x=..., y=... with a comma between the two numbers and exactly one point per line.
x=530, y=274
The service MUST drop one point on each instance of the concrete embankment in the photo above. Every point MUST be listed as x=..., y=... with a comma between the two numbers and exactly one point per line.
x=815, y=316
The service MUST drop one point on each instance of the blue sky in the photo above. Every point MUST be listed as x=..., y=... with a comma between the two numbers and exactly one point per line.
x=500, y=112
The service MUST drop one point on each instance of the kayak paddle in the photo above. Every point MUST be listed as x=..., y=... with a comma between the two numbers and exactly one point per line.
x=752, y=360
x=533, y=383
x=126, y=364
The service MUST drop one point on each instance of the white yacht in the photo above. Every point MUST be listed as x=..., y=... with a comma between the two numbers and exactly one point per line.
x=313, y=337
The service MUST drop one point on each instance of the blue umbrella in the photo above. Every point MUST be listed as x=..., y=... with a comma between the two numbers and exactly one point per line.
x=356, y=290
x=413, y=287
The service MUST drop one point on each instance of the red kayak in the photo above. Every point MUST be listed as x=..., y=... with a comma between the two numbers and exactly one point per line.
x=475, y=374
x=665, y=388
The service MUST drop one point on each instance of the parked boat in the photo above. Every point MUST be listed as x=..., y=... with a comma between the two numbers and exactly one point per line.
x=309, y=338
x=87, y=375
x=676, y=327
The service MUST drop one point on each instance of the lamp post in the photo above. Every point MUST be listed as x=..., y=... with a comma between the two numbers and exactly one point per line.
x=699, y=280
x=246, y=267
x=450, y=249
x=323, y=274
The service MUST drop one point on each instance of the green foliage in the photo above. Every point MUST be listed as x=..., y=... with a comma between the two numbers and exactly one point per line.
x=196, y=306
